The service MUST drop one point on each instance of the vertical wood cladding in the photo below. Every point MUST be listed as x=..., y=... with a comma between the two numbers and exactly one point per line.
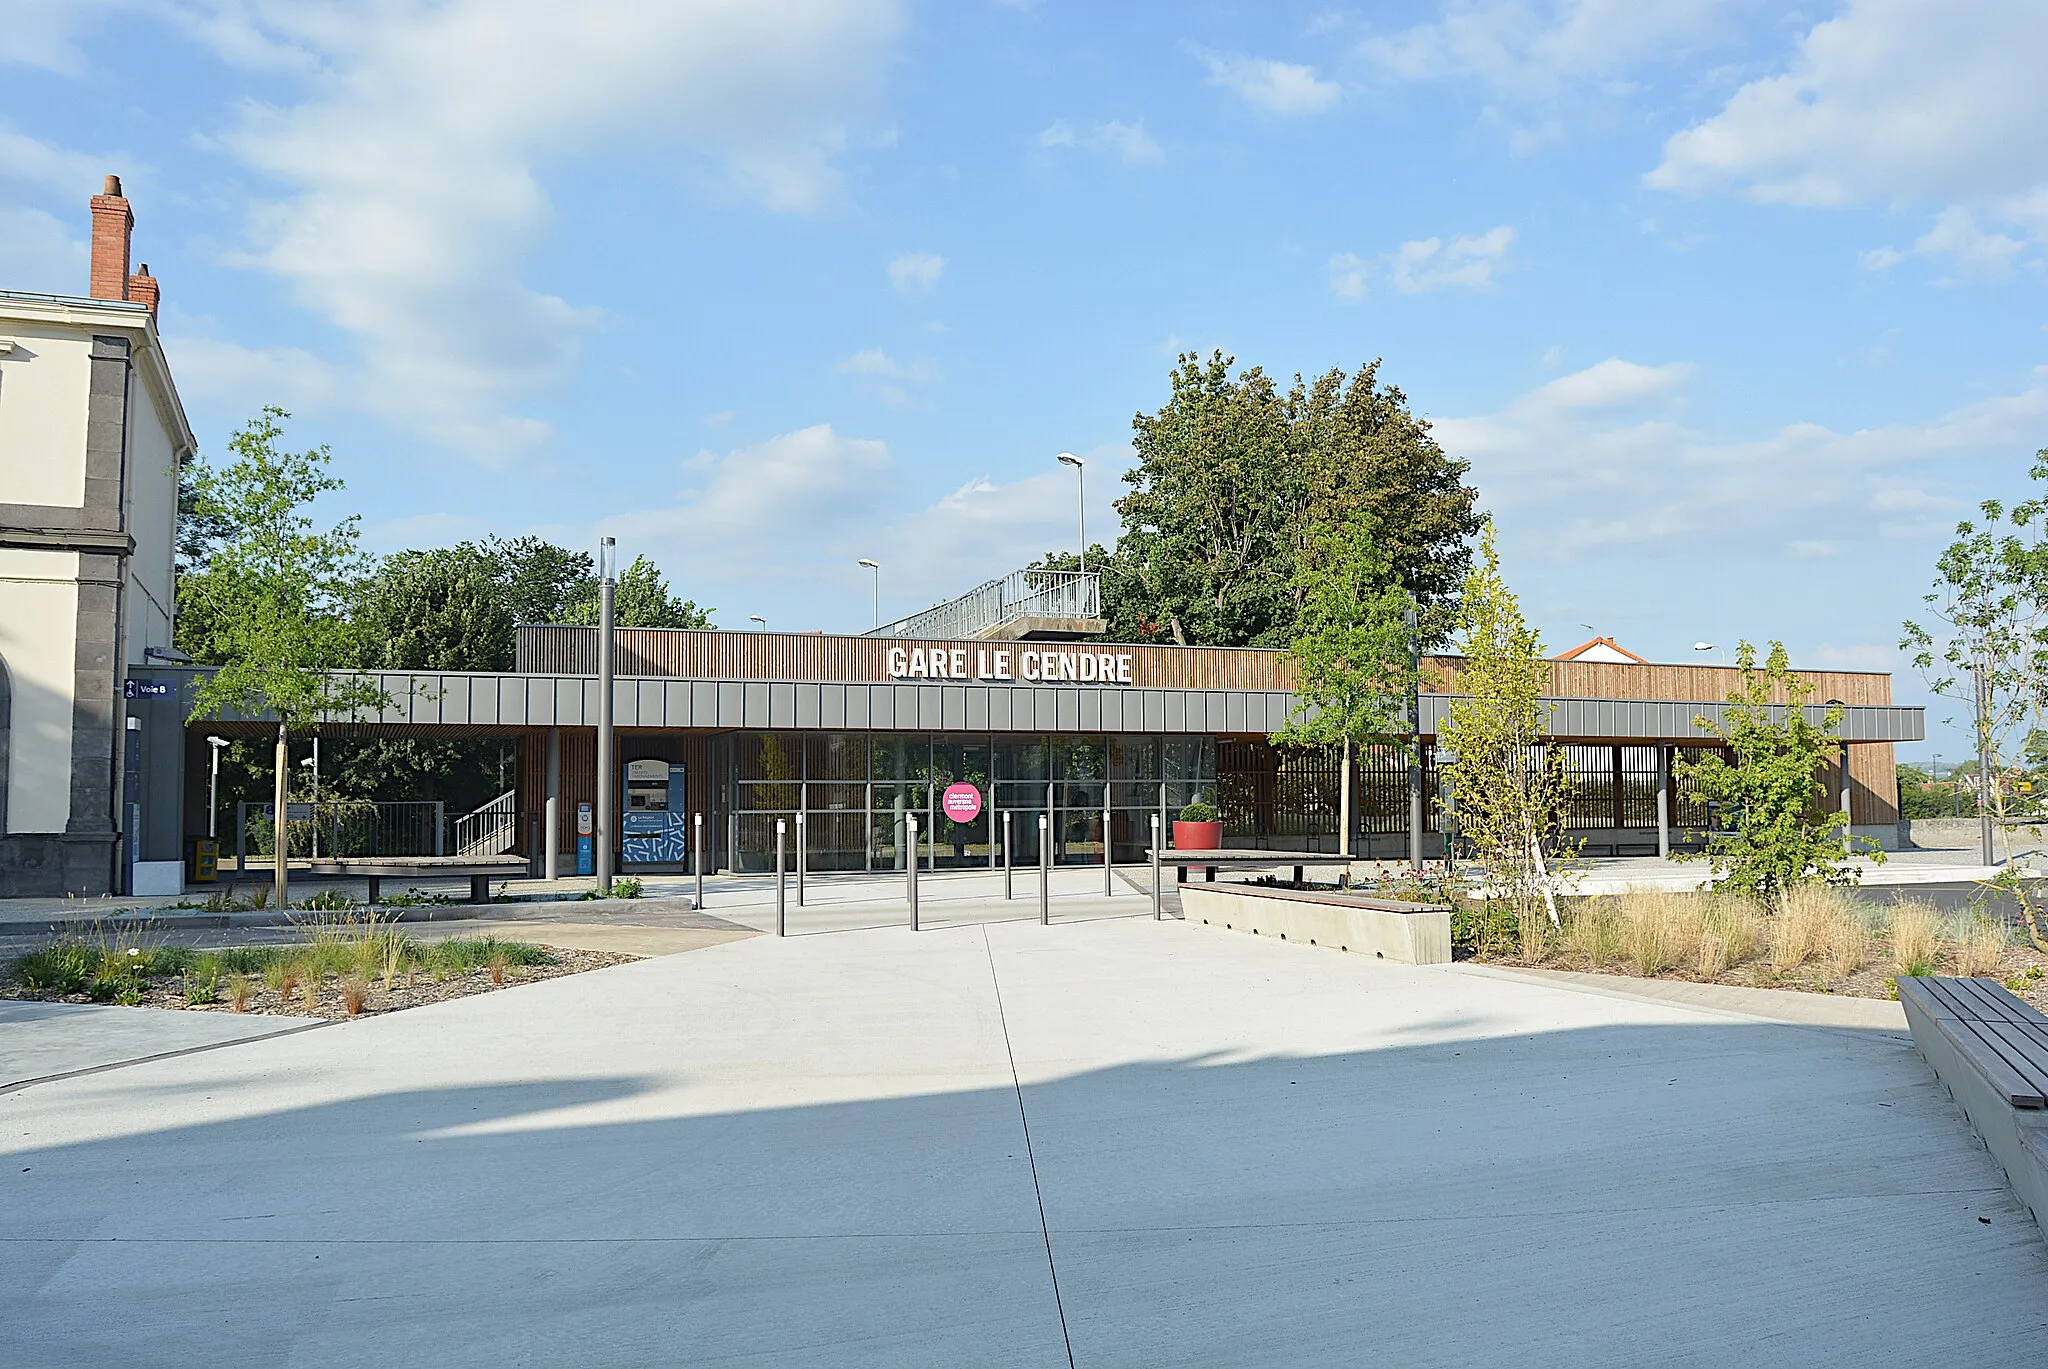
x=681, y=654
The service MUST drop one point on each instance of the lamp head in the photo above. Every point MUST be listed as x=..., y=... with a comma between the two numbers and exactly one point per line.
x=217, y=742
x=1702, y=646
x=871, y=565
x=1069, y=459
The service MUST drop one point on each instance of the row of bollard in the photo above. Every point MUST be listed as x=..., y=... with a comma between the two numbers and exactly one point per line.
x=911, y=868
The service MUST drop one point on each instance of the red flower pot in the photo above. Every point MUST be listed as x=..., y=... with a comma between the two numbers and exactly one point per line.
x=1197, y=836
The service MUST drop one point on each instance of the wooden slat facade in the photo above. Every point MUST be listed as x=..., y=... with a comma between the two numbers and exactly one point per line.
x=716, y=655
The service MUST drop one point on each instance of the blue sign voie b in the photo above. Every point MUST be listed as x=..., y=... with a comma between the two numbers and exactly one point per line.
x=133, y=688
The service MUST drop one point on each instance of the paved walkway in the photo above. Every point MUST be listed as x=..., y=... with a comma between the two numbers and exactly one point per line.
x=1107, y=1142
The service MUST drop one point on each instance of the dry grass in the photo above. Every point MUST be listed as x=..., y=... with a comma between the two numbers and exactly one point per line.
x=241, y=988
x=1981, y=950
x=1916, y=937
x=309, y=994
x=498, y=965
x=1801, y=926
x=1659, y=929
x=1595, y=932
x=1738, y=922
x=355, y=991
x=1713, y=958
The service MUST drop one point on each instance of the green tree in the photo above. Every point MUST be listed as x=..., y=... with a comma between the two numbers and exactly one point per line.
x=1233, y=475
x=1779, y=832
x=1350, y=650
x=445, y=609
x=1919, y=796
x=1985, y=643
x=1511, y=790
x=641, y=599
x=276, y=596
x=541, y=580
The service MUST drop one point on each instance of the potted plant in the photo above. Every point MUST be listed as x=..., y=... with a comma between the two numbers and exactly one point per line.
x=1198, y=828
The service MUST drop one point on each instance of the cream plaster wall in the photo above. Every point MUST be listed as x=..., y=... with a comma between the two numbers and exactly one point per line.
x=44, y=379
x=152, y=520
x=38, y=630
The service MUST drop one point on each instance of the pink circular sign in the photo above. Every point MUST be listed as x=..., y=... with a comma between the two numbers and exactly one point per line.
x=961, y=802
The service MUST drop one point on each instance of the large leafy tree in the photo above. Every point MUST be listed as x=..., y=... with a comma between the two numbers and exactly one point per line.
x=641, y=599
x=1779, y=831
x=1511, y=790
x=1233, y=478
x=434, y=610
x=273, y=598
x=1350, y=650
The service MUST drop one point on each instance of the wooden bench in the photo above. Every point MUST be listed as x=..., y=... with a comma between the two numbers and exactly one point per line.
x=375, y=870
x=1990, y=1050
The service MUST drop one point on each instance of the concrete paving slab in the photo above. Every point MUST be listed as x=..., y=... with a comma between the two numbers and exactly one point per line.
x=815, y=1151
x=40, y=1040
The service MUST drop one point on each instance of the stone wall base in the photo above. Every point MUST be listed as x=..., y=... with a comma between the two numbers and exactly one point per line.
x=52, y=864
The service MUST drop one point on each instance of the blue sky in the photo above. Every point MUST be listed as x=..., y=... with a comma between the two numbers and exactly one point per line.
x=1734, y=308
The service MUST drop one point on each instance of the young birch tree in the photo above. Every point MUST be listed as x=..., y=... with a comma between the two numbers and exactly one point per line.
x=274, y=599
x=1350, y=649
x=1511, y=790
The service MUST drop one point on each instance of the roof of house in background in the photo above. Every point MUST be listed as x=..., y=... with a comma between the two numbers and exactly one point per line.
x=1601, y=649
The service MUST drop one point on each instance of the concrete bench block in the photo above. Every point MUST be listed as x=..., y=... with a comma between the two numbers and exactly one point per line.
x=1407, y=933
x=2016, y=1137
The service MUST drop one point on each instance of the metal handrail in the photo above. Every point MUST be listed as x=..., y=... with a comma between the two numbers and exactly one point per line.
x=492, y=829
x=1020, y=594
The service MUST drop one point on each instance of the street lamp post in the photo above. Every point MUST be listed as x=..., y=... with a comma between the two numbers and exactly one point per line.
x=607, y=565
x=876, y=567
x=1081, y=499
x=757, y=618
x=216, y=745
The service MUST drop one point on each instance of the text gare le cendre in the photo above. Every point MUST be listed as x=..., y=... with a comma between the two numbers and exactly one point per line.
x=1004, y=663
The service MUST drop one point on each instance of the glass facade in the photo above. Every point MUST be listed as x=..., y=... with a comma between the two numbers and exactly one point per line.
x=857, y=792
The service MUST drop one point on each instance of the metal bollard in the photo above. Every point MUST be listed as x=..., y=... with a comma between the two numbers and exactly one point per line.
x=911, y=819
x=801, y=859
x=781, y=913
x=1108, y=889
x=697, y=849
x=1156, y=913
x=1044, y=870
x=1008, y=890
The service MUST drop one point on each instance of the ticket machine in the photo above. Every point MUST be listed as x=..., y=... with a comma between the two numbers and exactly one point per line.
x=655, y=825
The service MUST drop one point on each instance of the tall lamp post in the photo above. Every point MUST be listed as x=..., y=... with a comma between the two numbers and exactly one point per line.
x=607, y=567
x=1081, y=499
x=876, y=567
x=216, y=745
x=757, y=618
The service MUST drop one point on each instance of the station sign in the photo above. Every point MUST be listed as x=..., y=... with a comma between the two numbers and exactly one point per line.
x=134, y=688
x=961, y=802
x=1039, y=665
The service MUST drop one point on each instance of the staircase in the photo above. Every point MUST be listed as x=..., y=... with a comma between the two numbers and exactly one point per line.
x=491, y=830
x=1045, y=605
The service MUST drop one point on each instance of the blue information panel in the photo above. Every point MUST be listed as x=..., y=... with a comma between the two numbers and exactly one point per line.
x=586, y=849
x=655, y=826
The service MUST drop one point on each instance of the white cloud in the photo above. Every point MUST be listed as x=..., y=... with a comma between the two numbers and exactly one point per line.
x=1880, y=258
x=886, y=377
x=1284, y=88
x=1348, y=277
x=1955, y=235
x=45, y=33
x=1890, y=100
x=1601, y=461
x=1542, y=60
x=1128, y=143
x=916, y=272
x=31, y=161
x=411, y=151
x=245, y=378
x=1466, y=262
x=722, y=419
x=1893, y=102
x=37, y=254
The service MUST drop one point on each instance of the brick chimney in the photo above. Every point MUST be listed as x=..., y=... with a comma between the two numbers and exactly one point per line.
x=142, y=288
x=112, y=223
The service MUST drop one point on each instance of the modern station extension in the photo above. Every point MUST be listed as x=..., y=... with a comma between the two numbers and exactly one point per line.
x=720, y=734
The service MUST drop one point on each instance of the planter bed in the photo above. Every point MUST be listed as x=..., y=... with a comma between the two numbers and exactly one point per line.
x=1384, y=929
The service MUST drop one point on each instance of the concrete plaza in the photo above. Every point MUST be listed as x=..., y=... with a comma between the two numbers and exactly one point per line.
x=1111, y=1141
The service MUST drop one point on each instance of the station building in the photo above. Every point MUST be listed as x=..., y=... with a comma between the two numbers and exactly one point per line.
x=721, y=734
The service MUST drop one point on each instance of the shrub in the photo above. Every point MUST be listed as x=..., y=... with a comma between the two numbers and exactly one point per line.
x=627, y=887
x=327, y=900
x=1201, y=810
x=172, y=960
x=201, y=987
x=462, y=954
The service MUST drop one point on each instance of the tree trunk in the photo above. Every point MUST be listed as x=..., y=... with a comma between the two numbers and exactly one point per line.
x=1543, y=876
x=280, y=819
x=1344, y=807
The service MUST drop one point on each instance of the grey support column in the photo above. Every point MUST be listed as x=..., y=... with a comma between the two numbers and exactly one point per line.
x=1848, y=818
x=551, y=822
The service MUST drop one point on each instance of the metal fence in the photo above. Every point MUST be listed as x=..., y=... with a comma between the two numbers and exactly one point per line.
x=341, y=828
x=1020, y=594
